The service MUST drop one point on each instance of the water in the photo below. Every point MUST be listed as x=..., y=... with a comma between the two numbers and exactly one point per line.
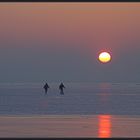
x=79, y=99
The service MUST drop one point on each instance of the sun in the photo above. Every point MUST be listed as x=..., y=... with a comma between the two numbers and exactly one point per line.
x=104, y=57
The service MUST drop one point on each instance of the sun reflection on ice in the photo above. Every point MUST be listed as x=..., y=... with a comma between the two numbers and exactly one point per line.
x=104, y=130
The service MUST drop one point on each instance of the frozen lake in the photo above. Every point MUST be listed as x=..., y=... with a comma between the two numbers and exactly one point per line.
x=101, y=110
x=79, y=99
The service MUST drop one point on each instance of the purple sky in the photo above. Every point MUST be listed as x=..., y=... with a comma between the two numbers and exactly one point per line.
x=61, y=42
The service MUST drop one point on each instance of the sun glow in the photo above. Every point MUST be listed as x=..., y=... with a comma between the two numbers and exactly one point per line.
x=104, y=57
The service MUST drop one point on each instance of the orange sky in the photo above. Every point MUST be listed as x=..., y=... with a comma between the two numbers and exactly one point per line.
x=94, y=24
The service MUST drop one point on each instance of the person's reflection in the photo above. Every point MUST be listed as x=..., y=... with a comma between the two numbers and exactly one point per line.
x=104, y=130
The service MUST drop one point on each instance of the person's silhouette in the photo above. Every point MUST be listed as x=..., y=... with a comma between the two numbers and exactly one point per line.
x=46, y=86
x=61, y=86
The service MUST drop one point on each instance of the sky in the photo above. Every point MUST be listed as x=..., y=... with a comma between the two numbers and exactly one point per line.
x=61, y=41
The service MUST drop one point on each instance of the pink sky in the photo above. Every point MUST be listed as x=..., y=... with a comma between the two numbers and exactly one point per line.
x=88, y=28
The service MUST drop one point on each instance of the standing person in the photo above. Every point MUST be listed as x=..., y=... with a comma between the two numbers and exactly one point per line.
x=61, y=86
x=46, y=86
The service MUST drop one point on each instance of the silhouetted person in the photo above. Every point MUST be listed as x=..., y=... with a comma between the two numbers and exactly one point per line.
x=61, y=86
x=46, y=86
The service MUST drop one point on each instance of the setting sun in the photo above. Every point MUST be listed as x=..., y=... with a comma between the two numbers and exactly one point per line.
x=104, y=57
